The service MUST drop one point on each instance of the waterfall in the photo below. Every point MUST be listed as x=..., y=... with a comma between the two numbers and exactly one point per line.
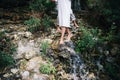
x=78, y=68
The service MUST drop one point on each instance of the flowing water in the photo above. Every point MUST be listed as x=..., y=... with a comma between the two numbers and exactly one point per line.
x=78, y=68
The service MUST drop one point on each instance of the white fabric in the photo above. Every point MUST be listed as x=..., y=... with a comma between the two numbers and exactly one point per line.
x=64, y=9
x=72, y=16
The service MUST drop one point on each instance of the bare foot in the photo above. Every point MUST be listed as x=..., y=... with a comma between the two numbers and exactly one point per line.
x=69, y=37
x=61, y=42
x=76, y=25
x=58, y=31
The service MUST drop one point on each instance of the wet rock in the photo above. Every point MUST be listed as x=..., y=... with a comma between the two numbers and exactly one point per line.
x=106, y=52
x=64, y=54
x=70, y=44
x=66, y=50
x=114, y=51
x=100, y=66
x=110, y=59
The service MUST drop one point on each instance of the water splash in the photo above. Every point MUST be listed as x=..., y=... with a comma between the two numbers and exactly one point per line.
x=78, y=68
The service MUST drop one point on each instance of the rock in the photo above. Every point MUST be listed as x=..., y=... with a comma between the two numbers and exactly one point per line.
x=14, y=71
x=63, y=75
x=40, y=77
x=28, y=34
x=15, y=37
x=70, y=44
x=23, y=63
x=25, y=75
x=106, y=53
x=64, y=54
x=49, y=41
x=30, y=54
x=100, y=66
x=7, y=75
x=114, y=50
x=34, y=63
x=91, y=76
x=26, y=49
x=110, y=59
x=66, y=51
x=55, y=44
x=59, y=67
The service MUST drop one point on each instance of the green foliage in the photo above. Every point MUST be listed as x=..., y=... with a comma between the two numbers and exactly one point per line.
x=89, y=43
x=112, y=36
x=112, y=70
x=33, y=24
x=5, y=60
x=103, y=12
x=6, y=50
x=46, y=22
x=47, y=68
x=41, y=5
x=92, y=3
x=87, y=40
x=44, y=47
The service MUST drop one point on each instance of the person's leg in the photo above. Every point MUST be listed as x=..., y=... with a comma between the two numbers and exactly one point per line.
x=75, y=24
x=62, y=35
x=58, y=29
x=64, y=17
x=69, y=34
x=73, y=18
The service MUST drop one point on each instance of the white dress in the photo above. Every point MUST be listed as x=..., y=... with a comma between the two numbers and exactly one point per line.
x=64, y=10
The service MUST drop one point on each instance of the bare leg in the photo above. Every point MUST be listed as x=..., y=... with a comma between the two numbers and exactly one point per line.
x=75, y=24
x=69, y=34
x=58, y=29
x=62, y=35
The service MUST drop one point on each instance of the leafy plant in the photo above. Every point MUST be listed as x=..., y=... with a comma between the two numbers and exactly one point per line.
x=47, y=68
x=46, y=22
x=44, y=47
x=6, y=50
x=87, y=40
x=33, y=24
x=5, y=60
x=41, y=5
x=112, y=70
